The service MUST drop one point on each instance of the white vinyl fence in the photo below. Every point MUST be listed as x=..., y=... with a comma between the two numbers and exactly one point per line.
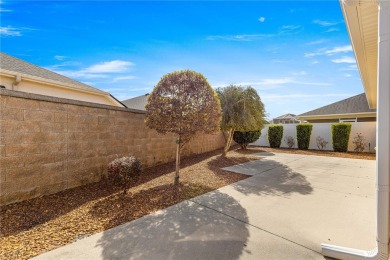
x=367, y=129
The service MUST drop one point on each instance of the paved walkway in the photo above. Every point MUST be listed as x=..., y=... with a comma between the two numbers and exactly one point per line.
x=290, y=205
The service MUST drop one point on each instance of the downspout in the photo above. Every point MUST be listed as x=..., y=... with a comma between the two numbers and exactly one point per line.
x=17, y=80
x=381, y=252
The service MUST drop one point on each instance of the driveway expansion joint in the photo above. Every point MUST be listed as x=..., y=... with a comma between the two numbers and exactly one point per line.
x=259, y=228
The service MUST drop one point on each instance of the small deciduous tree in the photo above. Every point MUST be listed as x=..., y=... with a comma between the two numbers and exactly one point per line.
x=183, y=103
x=242, y=110
x=360, y=143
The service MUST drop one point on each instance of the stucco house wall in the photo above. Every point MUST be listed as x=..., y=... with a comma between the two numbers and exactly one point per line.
x=48, y=89
x=20, y=75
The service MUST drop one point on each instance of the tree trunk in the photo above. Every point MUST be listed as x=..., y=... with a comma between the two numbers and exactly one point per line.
x=228, y=143
x=177, y=162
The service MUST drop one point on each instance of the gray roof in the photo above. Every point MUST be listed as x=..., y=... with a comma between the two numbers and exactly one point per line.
x=137, y=102
x=352, y=105
x=286, y=116
x=10, y=63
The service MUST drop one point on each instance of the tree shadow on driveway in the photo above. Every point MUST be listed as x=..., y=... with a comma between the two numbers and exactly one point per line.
x=184, y=231
x=269, y=178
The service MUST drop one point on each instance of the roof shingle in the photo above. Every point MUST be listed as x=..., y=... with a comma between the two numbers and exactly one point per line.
x=352, y=105
x=137, y=102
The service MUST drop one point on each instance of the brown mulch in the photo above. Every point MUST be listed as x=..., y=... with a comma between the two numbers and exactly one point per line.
x=353, y=155
x=38, y=225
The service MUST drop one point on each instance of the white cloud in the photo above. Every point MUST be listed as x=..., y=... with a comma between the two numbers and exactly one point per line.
x=3, y=10
x=279, y=61
x=314, y=62
x=284, y=30
x=332, y=30
x=315, y=42
x=126, y=89
x=268, y=82
x=300, y=73
x=291, y=27
x=261, y=19
x=79, y=74
x=114, y=66
x=99, y=70
x=10, y=31
x=312, y=83
x=274, y=83
x=59, y=57
x=116, y=79
x=329, y=52
x=272, y=97
x=240, y=37
x=344, y=59
x=350, y=67
x=325, y=23
x=339, y=49
x=265, y=82
x=347, y=75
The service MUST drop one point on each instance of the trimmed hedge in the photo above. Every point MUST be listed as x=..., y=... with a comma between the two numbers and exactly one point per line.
x=275, y=135
x=303, y=135
x=245, y=138
x=340, y=136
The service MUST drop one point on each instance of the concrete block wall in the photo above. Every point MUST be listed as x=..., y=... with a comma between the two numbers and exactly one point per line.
x=50, y=144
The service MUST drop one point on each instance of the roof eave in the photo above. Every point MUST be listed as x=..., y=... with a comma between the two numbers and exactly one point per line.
x=333, y=116
x=353, y=16
x=50, y=82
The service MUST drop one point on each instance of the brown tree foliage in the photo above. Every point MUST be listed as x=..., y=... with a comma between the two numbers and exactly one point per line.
x=183, y=103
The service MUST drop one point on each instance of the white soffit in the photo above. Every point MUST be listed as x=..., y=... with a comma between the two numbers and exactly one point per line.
x=362, y=22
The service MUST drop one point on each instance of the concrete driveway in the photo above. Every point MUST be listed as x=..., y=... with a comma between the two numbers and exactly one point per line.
x=290, y=205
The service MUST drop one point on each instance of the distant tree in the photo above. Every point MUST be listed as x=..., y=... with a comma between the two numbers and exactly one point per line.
x=242, y=110
x=183, y=103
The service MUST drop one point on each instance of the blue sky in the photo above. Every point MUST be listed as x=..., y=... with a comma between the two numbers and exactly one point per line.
x=296, y=54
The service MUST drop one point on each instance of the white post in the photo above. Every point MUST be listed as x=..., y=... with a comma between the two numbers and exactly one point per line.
x=381, y=252
x=383, y=130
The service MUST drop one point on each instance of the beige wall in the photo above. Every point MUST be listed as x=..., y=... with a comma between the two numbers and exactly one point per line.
x=47, y=146
x=49, y=90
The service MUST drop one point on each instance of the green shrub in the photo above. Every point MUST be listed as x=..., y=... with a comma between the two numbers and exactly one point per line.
x=303, y=135
x=123, y=171
x=340, y=136
x=245, y=138
x=275, y=135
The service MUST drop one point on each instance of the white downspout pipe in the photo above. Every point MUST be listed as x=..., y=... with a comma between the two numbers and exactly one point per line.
x=17, y=80
x=381, y=252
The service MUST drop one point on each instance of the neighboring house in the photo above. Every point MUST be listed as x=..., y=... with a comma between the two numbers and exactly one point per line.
x=368, y=24
x=285, y=119
x=353, y=109
x=137, y=102
x=19, y=75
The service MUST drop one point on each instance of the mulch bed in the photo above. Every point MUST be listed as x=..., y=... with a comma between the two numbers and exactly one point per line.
x=38, y=225
x=353, y=155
